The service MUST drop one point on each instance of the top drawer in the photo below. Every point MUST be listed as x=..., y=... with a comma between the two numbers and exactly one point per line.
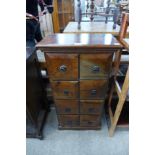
x=95, y=65
x=62, y=66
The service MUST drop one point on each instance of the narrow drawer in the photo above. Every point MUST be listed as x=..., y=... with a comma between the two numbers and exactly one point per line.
x=62, y=66
x=68, y=120
x=67, y=106
x=65, y=89
x=91, y=106
x=94, y=66
x=90, y=120
x=93, y=89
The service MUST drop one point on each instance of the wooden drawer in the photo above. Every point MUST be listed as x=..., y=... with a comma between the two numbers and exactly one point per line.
x=68, y=120
x=67, y=106
x=89, y=120
x=65, y=89
x=93, y=89
x=95, y=65
x=91, y=106
x=62, y=66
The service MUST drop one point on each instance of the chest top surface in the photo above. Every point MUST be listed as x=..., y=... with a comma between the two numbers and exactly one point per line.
x=79, y=41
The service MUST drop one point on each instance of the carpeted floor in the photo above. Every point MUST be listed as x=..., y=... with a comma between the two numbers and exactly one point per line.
x=68, y=142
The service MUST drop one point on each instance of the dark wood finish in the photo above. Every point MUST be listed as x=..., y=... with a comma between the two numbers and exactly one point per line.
x=67, y=106
x=65, y=89
x=93, y=89
x=68, y=120
x=91, y=106
x=98, y=66
x=90, y=120
x=62, y=66
x=36, y=102
x=86, y=61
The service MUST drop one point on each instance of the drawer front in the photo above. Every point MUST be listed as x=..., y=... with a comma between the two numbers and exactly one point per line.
x=95, y=65
x=62, y=66
x=65, y=89
x=89, y=120
x=93, y=89
x=68, y=120
x=91, y=106
x=67, y=106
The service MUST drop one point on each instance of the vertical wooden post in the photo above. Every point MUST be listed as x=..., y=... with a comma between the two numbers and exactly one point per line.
x=79, y=13
x=92, y=6
x=63, y=13
x=87, y=7
x=124, y=25
x=115, y=17
x=55, y=17
x=116, y=62
x=107, y=11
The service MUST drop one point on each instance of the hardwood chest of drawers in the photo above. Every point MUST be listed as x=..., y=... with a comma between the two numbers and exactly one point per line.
x=79, y=66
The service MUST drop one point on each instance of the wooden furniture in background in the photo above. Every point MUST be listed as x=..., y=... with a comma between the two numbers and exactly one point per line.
x=79, y=67
x=93, y=27
x=36, y=103
x=62, y=14
x=101, y=11
x=55, y=17
x=122, y=91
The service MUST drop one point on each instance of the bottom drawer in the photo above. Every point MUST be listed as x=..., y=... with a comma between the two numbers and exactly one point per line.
x=68, y=120
x=89, y=120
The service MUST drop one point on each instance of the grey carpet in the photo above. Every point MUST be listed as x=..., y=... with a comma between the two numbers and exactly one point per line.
x=68, y=142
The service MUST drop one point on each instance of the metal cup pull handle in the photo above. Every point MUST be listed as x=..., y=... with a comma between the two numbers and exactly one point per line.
x=93, y=92
x=67, y=110
x=89, y=123
x=63, y=68
x=91, y=109
x=66, y=92
x=69, y=122
x=95, y=69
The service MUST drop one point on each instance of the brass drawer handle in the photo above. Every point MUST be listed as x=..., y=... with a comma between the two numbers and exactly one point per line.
x=90, y=123
x=95, y=69
x=66, y=92
x=91, y=109
x=67, y=110
x=93, y=92
x=63, y=68
x=69, y=122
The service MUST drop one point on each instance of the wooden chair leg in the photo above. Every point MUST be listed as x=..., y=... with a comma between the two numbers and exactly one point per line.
x=120, y=104
x=110, y=95
x=116, y=63
x=109, y=104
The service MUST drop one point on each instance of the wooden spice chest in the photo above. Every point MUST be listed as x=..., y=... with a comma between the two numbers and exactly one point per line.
x=79, y=67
